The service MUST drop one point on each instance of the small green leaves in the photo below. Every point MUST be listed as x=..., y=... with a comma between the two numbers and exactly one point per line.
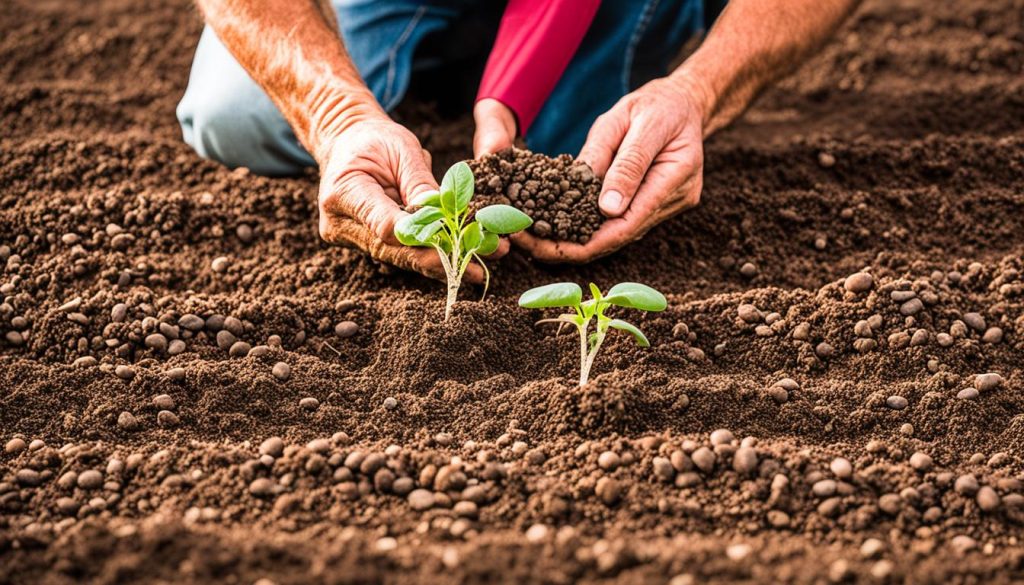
x=633, y=295
x=427, y=199
x=503, y=219
x=641, y=339
x=459, y=181
x=418, y=228
x=488, y=245
x=562, y=294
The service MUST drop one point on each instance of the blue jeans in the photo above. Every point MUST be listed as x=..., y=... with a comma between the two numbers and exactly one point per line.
x=226, y=116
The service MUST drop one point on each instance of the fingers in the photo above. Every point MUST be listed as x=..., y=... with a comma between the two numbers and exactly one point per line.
x=359, y=196
x=604, y=139
x=628, y=169
x=348, y=232
x=414, y=173
x=495, y=127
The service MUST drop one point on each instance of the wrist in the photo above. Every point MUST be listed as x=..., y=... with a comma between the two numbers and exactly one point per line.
x=697, y=91
x=334, y=109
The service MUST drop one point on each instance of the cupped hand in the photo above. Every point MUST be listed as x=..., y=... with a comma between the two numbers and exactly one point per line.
x=649, y=150
x=368, y=172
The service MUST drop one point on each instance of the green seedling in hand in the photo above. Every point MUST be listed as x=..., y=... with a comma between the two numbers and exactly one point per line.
x=568, y=294
x=443, y=223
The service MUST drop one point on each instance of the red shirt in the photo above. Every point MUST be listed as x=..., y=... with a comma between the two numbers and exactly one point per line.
x=535, y=42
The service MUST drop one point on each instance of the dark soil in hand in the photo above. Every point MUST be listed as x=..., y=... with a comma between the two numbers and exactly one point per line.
x=195, y=389
x=560, y=194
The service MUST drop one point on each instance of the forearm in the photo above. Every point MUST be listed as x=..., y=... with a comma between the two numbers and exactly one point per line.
x=752, y=44
x=292, y=50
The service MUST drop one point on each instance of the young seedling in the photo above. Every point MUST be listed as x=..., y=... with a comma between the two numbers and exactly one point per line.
x=568, y=294
x=443, y=223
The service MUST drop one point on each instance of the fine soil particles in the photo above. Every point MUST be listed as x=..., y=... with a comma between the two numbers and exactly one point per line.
x=195, y=389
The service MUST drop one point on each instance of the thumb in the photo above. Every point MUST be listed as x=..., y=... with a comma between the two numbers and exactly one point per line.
x=495, y=127
x=414, y=174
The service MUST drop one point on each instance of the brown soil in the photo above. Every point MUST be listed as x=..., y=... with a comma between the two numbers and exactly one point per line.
x=863, y=445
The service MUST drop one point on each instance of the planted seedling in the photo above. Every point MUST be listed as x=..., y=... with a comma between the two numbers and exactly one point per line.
x=443, y=223
x=568, y=294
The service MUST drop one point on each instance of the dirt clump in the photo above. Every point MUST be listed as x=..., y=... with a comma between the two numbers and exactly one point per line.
x=560, y=194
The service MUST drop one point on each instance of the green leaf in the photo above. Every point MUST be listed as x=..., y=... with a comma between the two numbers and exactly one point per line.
x=560, y=294
x=459, y=180
x=411, y=233
x=449, y=203
x=589, y=308
x=636, y=296
x=489, y=244
x=641, y=339
x=472, y=236
x=503, y=219
x=417, y=228
x=595, y=292
x=427, y=199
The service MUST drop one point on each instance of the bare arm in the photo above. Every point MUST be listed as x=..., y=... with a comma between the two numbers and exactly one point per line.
x=368, y=164
x=649, y=146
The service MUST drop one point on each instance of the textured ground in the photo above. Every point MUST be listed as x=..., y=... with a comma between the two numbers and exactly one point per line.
x=150, y=433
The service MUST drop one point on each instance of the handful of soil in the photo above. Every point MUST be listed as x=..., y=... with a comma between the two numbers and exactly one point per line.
x=560, y=193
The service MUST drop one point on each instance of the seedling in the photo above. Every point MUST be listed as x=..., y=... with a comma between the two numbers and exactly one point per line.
x=568, y=294
x=443, y=223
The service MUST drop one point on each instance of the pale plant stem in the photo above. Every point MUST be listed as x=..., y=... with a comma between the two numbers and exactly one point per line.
x=589, y=357
x=454, y=277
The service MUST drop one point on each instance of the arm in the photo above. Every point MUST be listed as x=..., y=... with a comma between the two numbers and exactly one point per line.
x=649, y=146
x=368, y=164
x=535, y=42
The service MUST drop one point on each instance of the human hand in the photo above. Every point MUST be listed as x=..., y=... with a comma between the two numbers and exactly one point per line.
x=368, y=171
x=495, y=127
x=649, y=150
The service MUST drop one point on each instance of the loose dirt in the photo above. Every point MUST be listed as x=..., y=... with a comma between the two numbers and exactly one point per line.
x=193, y=388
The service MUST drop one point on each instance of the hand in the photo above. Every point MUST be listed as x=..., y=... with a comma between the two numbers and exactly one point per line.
x=649, y=149
x=495, y=127
x=370, y=169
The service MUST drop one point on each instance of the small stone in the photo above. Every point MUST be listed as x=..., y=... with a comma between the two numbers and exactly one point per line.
x=749, y=313
x=421, y=499
x=921, y=462
x=890, y=504
x=163, y=402
x=826, y=160
x=992, y=335
x=871, y=548
x=911, y=307
x=841, y=468
x=738, y=552
x=608, y=461
x=966, y=485
x=663, y=469
x=778, y=518
x=346, y=329
x=968, y=394
x=744, y=461
x=167, y=419
x=124, y=372
x=239, y=349
x=90, y=479
x=15, y=446
x=963, y=544
x=156, y=342
x=220, y=264
x=273, y=446
x=127, y=421
x=896, y=402
x=987, y=382
x=390, y=403
x=309, y=403
x=281, y=371
x=28, y=477
x=824, y=350
x=704, y=459
x=722, y=437
x=748, y=270
x=988, y=499
x=608, y=490
x=824, y=488
x=262, y=487
x=176, y=374
x=975, y=321
x=859, y=282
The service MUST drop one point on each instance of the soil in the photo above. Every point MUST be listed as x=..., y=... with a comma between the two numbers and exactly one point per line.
x=193, y=388
x=558, y=193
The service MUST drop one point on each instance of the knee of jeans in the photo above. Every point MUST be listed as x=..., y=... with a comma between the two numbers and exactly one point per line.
x=240, y=131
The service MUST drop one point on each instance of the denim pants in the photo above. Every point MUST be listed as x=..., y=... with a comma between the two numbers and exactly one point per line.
x=226, y=116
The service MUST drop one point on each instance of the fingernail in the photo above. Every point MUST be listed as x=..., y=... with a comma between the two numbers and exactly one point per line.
x=611, y=202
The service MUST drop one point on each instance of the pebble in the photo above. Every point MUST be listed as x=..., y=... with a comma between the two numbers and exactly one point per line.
x=748, y=270
x=239, y=349
x=176, y=374
x=824, y=350
x=273, y=446
x=309, y=403
x=988, y=499
x=745, y=460
x=28, y=477
x=975, y=321
x=986, y=382
x=421, y=499
x=826, y=160
x=346, y=329
x=992, y=335
x=608, y=461
x=749, y=313
x=921, y=461
x=390, y=403
x=163, y=402
x=966, y=485
x=90, y=479
x=167, y=419
x=896, y=402
x=281, y=371
x=220, y=264
x=859, y=282
x=824, y=488
x=609, y=490
x=124, y=372
x=722, y=437
x=890, y=504
x=262, y=487
x=968, y=394
x=156, y=342
x=738, y=552
x=778, y=518
x=192, y=322
x=127, y=421
x=663, y=469
x=704, y=459
x=15, y=446
x=841, y=468
x=911, y=307
x=871, y=548
x=962, y=543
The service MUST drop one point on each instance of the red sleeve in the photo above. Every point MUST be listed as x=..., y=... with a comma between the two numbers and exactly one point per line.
x=536, y=41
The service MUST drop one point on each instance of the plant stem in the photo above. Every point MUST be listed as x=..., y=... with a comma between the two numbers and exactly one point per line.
x=453, y=294
x=584, y=370
x=589, y=357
